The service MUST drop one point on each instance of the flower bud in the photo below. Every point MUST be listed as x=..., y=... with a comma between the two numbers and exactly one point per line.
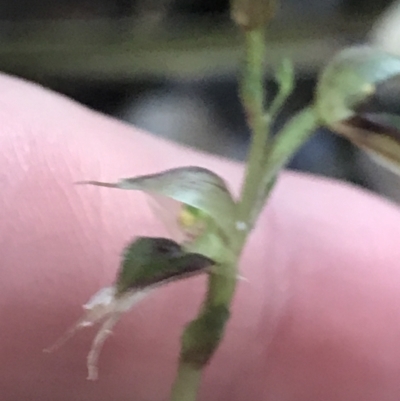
x=252, y=14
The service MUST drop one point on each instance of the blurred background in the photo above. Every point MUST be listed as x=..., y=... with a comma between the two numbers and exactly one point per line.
x=170, y=66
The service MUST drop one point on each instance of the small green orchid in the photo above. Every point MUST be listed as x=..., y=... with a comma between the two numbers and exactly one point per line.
x=147, y=263
x=352, y=85
x=208, y=227
x=205, y=212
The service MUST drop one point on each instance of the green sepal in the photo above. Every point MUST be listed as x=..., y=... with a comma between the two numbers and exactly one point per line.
x=193, y=186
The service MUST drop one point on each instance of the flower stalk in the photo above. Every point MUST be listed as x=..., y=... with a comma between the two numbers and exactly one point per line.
x=202, y=336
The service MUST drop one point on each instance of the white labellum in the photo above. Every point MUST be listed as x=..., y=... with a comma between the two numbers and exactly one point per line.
x=103, y=306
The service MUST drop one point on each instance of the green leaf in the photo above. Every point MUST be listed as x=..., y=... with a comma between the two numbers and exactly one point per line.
x=350, y=80
x=150, y=262
x=194, y=186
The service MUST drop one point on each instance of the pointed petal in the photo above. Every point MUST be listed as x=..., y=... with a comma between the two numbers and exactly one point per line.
x=193, y=186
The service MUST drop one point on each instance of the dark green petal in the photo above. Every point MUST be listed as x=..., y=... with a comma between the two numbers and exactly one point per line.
x=149, y=262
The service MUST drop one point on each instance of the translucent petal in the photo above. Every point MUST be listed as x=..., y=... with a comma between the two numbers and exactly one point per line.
x=192, y=186
x=104, y=306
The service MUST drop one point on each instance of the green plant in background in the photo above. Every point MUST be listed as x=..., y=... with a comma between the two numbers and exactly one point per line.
x=209, y=225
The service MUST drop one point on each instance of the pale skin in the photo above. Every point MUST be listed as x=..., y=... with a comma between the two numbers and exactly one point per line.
x=318, y=318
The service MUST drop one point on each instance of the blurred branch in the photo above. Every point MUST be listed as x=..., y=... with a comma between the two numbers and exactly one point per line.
x=105, y=51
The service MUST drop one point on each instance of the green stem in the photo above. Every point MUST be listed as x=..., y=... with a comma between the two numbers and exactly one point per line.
x=288, y=141
x=253, y=95
x=285, y=79
x=203, y=335
x=186, y=388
